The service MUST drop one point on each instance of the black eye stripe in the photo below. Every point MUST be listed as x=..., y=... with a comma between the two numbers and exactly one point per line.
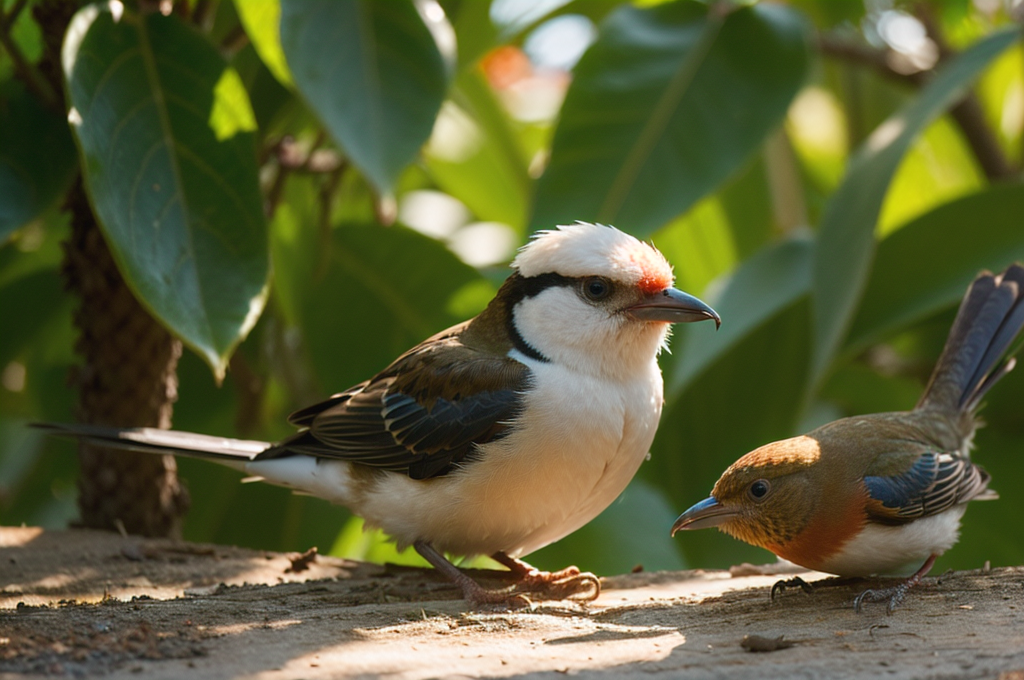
x=535, y=285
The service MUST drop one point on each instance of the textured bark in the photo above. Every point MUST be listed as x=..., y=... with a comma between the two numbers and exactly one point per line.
x=127, y=378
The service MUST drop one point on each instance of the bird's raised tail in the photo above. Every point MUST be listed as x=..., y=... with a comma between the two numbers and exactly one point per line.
x=231, y=452
x=990, y=319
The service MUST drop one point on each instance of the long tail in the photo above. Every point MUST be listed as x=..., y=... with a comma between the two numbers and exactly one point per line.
x=232, y=452
x=990, y=319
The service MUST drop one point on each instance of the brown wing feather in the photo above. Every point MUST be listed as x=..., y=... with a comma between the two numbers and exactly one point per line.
x=423, y=415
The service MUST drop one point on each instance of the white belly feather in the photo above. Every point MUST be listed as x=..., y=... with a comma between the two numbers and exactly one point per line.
x=582, y=441
x=896, y=550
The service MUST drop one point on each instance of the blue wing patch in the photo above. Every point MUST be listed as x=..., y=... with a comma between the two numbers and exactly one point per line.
x=934, y=483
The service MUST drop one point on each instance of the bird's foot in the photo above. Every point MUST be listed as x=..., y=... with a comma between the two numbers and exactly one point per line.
x=474, y=593
x=811, y=587
x=895, y=595
x=795, y=582
x=566, y=584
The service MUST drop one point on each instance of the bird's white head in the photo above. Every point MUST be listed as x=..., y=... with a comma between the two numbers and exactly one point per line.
x=596, y=299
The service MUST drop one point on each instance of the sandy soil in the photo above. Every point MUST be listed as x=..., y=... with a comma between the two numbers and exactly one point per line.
x=80, y=603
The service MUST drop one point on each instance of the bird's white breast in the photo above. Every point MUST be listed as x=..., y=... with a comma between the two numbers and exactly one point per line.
x=580, y=440
x=882, y=550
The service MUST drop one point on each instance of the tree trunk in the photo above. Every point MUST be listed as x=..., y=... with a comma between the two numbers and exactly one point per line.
x=127, y=379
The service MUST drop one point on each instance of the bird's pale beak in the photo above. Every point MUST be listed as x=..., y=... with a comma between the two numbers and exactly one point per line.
x=673, y=306
x=706, y=514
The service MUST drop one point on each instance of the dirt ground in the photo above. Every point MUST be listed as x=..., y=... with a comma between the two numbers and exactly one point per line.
x=81, y=603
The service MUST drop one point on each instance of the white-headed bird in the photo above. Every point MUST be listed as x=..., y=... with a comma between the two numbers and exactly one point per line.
x=499, y=435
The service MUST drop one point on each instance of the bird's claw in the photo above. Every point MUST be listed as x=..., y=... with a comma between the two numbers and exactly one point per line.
x=567, y=584
x=795, y=582
x=894, y=595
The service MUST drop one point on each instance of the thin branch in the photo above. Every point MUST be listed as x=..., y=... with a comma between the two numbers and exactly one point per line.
x=234, y=41
x=250, y=387
x=863, y=55
x=328, y=193
x=201, y=13
x=967, y=113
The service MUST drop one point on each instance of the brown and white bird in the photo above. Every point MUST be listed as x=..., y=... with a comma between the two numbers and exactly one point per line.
x=499, y=435
x=876, y=493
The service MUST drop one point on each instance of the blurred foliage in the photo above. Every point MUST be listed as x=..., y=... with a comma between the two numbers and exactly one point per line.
x=829, y=174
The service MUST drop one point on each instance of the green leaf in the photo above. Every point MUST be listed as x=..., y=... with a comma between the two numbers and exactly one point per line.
x=33, y=301
x=846, y=240
x=666, y=105
x=297, y=247
x=763, y=286
x=927, y=265
x=374, y=72
x=475, y=33
x=262, y=22
x=382, y=291
x=37, y=157
x=699, y=245
x=170, y=165
x=475, y=156
x=937, y=168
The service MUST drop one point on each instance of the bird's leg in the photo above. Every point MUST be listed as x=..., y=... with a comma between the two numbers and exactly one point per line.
x=809, y=588
x=795, y=582
x=895, y=594
x=566, y=583
x=472, y=591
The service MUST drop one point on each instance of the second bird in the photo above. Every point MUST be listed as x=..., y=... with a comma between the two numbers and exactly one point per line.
x=873, y=494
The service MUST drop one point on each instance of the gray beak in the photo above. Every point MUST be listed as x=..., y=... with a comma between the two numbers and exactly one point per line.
x=673, y=306
x=706, y=514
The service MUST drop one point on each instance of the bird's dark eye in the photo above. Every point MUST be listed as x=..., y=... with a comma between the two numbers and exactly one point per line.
x=595, y=288
x=759, y=489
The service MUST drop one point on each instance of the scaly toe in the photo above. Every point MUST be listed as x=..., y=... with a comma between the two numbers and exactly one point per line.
x=894, y=596
x=567, y=584
x=795, y=582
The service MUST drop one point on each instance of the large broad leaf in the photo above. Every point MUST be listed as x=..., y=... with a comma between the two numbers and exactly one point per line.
x=764, y=286
x=846, y=240
x=384, y=290
x=37, y=157
x=262, y=22
x=375, y=72
x=166, y=132
x=664, y=107
x=928, y=264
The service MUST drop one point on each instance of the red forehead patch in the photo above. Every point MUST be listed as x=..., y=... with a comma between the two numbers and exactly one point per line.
x=654, y=282
x=655, y=274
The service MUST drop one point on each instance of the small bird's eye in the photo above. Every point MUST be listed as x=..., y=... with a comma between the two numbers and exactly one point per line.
x=759, y=489
x=596, y=288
